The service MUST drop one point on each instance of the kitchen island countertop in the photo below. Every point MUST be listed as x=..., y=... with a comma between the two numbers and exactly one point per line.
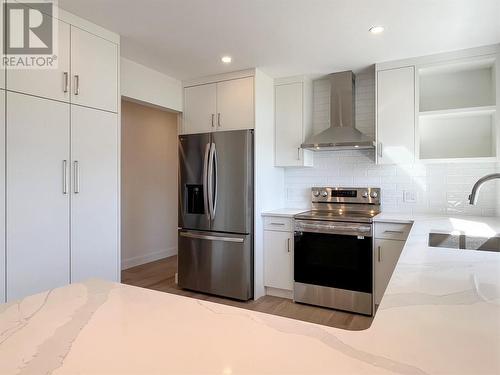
x=440, y=315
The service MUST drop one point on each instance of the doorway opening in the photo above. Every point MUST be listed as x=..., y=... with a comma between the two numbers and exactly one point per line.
x=148, y=184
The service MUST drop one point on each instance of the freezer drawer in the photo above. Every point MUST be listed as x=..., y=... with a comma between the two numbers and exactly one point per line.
x=216, y=263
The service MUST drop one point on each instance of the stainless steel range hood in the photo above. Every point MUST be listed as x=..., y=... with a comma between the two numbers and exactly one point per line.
x=341, y=135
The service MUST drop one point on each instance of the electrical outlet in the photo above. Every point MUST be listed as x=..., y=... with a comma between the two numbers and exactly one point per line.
x=409, y=196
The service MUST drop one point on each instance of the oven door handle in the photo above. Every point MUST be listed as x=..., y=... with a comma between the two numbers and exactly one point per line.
x=348, y=230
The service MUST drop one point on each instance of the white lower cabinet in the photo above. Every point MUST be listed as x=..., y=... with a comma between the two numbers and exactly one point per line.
x=94, y=199
x=388, y=247
x=62, y=195
x=278, y=259
x=38, y=200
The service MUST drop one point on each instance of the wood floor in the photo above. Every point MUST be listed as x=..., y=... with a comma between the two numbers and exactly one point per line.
x=160, y=275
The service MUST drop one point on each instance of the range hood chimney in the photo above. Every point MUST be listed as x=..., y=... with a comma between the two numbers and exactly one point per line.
x=341, y=135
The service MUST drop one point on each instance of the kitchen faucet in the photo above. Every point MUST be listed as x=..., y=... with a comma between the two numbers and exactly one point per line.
x=478, y=184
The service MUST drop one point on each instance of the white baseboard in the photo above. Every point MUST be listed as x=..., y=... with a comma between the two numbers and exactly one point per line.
x=149, y=257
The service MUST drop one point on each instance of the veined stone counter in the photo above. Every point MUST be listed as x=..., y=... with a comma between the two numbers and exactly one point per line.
x=440, y=315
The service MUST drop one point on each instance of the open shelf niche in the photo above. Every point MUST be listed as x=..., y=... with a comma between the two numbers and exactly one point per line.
x=457, y=110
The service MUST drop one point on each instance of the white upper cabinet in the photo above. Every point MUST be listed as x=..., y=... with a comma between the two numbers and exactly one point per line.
x=235, y=104
x=396, y=115
x=47, y=83
x=293, y=122
x=94, y=71
x=200, y=108
x=94, y=196
x=439, y=108
x=220, y=106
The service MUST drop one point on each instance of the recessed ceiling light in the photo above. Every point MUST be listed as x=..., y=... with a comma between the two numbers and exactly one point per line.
x=376, y=29
x=226, y=59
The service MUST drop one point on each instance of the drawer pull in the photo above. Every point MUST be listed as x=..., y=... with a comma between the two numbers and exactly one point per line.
x=277, y=223
x=394, y=231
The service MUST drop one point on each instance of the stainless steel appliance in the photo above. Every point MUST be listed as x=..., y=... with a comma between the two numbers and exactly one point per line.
x=215, y=253
x=342, y=134
x=333, y=253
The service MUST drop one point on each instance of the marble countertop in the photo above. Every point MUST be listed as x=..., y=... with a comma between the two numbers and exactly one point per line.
x=284, y=212
x=440, y=315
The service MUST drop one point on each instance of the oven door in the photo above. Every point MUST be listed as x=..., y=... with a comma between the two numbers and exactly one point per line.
x=334, y=255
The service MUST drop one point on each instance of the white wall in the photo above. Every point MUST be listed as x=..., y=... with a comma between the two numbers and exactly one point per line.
x=149, y=184
x=146, y=85
x=269, y=180
x=440, y=188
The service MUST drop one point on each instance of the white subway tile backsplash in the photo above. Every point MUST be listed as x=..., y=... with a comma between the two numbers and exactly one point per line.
x=439, y=188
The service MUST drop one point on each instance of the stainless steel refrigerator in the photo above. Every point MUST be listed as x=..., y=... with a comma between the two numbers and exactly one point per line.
x=215, y=239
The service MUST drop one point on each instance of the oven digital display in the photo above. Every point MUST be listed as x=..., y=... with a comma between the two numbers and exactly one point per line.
x=344, y=193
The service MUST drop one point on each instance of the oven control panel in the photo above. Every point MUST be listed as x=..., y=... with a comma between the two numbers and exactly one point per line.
x=345, y=195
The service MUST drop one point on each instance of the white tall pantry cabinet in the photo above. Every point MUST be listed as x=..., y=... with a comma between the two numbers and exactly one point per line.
x=38, y=202
x=62, y=165
x=94, y=203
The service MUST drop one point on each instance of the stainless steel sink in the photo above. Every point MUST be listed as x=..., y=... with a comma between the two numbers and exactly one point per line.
x=464, y=242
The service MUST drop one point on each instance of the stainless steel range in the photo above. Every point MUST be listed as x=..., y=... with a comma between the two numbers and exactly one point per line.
x=333, y=253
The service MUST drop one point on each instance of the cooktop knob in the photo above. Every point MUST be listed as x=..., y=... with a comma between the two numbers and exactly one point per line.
x=324, y=194
x=374, y=194
x=365, y=194
x=316, y=193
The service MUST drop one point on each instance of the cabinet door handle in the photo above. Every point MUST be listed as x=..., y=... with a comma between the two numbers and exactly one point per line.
x=77, y=177
x=379, y=254
x=77, y=84
x=298, y=153
x=218, y=120
x=65, y=177
x=213, y=120
x=288, y=245
x=380, y=150
x=66, y=82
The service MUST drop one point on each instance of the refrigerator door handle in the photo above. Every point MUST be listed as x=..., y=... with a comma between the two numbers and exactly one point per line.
x=216, y=181
x=211, y=181
x=211, y=238
x=205, y=181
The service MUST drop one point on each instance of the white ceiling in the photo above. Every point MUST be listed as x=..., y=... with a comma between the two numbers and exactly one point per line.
x=186, y=38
